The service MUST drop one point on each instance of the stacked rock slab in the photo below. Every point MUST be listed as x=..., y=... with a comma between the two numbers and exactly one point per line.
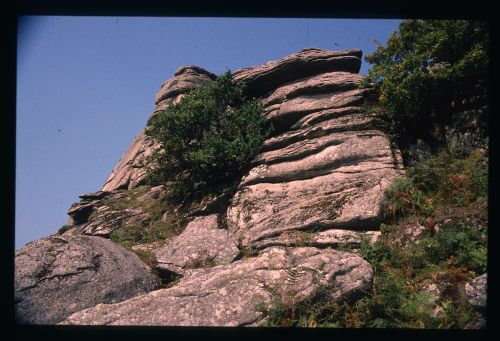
x=327, y=167
x=130, y=170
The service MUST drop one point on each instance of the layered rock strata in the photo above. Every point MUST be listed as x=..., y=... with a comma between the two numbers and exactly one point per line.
x=311, y=61
x=327, y=167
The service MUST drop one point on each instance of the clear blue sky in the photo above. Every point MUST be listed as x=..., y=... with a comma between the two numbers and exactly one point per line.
x=86, y=86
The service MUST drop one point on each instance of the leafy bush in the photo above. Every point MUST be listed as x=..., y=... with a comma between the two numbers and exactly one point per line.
x=206, y=139
x=459, y=244
x=433, y=75
x=460, y=179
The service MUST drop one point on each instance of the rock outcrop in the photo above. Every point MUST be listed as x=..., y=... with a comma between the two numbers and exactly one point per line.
x=57, y=276
x=100, y=213
x=316, y=185
x=236, y=294
x=130, y=170
x=328, y=166
x=306, y=62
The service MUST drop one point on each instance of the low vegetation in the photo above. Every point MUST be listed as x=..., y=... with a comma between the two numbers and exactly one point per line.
x=162, y=222
x=449, y=178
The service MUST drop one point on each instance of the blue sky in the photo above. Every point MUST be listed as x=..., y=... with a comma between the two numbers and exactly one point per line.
x=86, y=86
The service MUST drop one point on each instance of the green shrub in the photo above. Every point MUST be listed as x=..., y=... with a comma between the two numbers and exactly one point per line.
x=458, y=178
x=207, y=139
x=459, y=244
x=428, y=75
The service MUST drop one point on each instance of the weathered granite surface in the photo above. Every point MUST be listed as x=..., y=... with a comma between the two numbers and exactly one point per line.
x=235, y=294
x=202, y=243
x=57, y=276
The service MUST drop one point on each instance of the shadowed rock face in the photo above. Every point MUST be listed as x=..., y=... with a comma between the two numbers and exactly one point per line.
x=57, y=276
x=477, y=291
x=130, y=170
x=322, y=239
x=234, y=294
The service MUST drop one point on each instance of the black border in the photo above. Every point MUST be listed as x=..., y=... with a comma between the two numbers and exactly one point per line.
x=373, y=9
x=266, y=9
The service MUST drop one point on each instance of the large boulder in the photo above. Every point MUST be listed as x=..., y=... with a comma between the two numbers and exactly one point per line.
x=201, y=244
x=237, y=294
x=57, y=276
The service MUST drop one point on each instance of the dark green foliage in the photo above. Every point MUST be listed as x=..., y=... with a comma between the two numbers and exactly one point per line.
x=404, y=198
x=433, y=76
x=207, y=139
x=459, y=244
x=64, y=228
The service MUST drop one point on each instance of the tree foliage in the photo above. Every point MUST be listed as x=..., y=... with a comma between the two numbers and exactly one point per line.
x=432, y=76
x=207, y=138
